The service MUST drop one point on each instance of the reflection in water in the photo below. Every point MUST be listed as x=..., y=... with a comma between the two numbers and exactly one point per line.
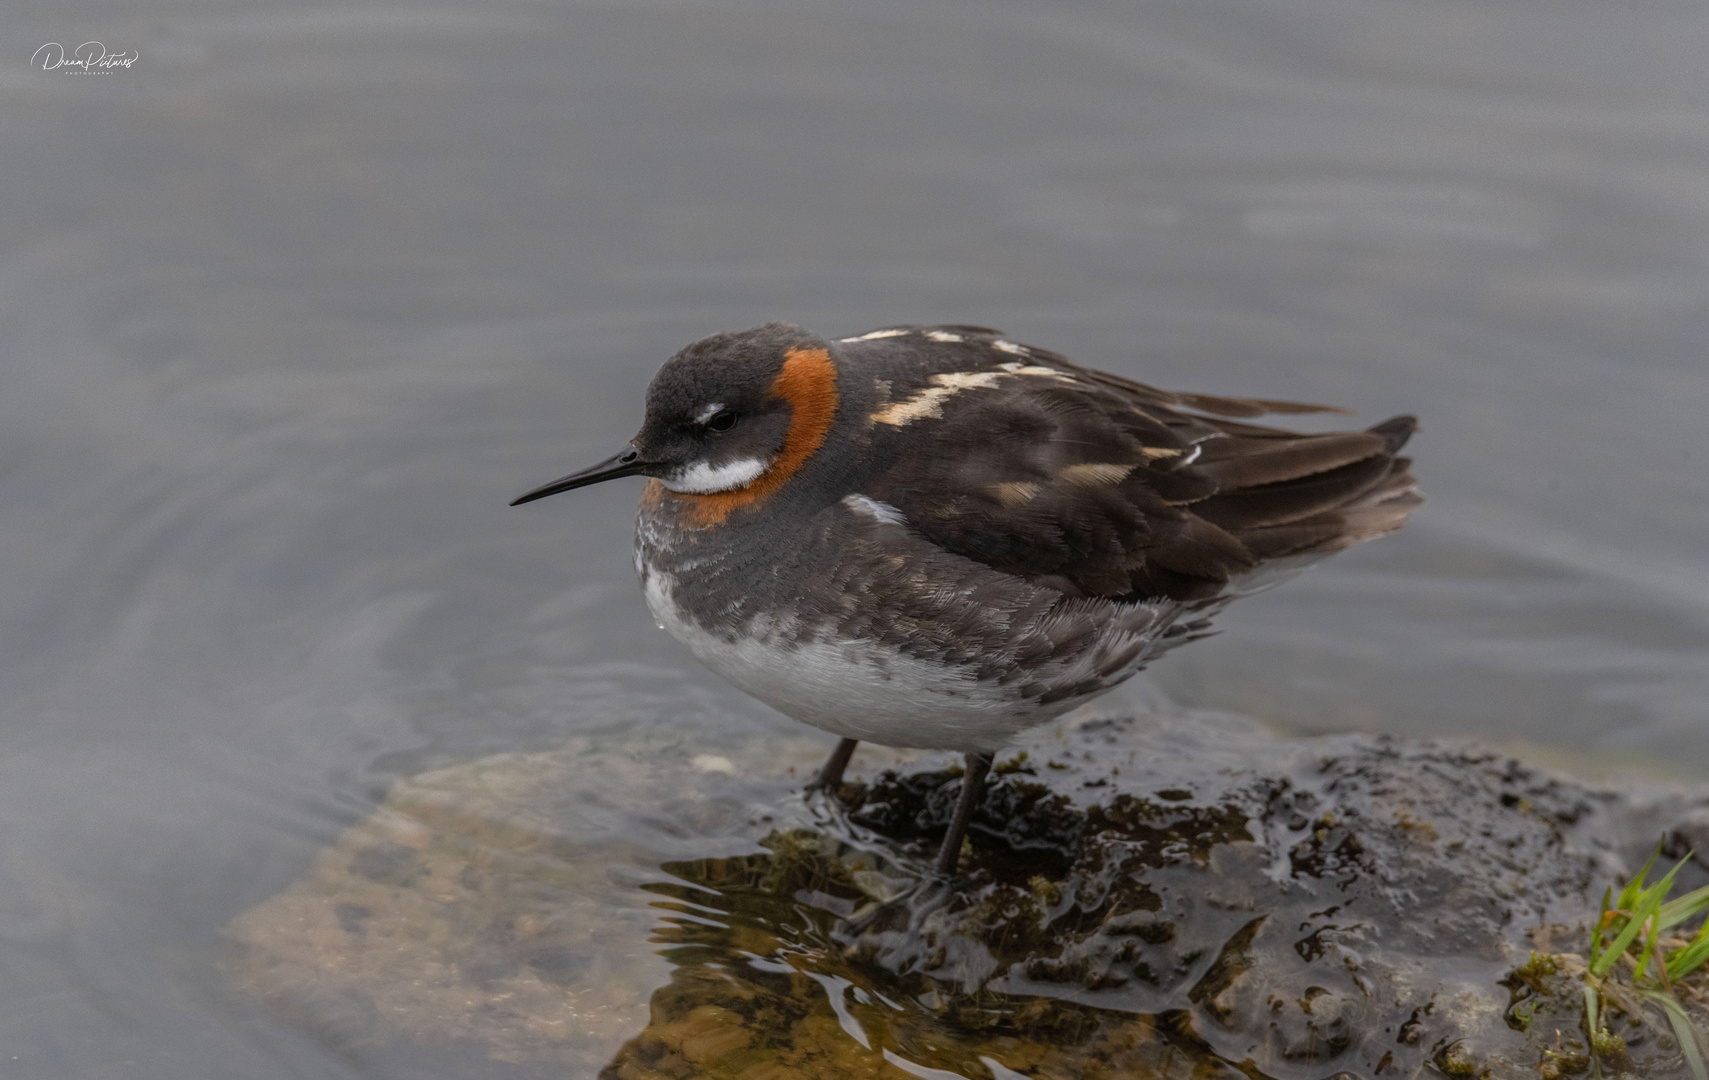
x=766, y=976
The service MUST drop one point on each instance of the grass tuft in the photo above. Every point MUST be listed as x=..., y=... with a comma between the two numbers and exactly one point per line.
x=1633, y=929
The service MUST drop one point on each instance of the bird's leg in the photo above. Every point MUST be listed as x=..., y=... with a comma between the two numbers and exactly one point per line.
x=831, y=776
x=972, y=787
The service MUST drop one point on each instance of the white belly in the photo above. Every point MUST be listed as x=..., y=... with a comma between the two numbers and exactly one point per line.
x=856, y=690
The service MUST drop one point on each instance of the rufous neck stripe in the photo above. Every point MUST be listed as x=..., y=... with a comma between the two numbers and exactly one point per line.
x=808, y=381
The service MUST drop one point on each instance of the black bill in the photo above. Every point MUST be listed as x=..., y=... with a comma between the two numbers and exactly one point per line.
x=628, y=463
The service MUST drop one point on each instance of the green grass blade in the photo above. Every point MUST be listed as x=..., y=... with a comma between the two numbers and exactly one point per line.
x=1678, y=910
x=1684, y=961
x=1649, y=914
x=1631, y=899
x=1596, y=931
x=1629, y=895
x=1645, y=953
x=1648, y=903
x=1690, y=1039
x=1660, y=888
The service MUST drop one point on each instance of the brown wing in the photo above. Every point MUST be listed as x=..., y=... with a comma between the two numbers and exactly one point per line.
x=1099, y=486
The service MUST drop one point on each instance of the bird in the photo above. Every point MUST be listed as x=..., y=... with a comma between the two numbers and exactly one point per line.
x=936, y=537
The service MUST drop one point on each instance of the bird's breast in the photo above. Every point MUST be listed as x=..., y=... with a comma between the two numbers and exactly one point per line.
x=898, y=660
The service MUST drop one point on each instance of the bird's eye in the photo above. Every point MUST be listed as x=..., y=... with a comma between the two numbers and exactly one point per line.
x=724, y=421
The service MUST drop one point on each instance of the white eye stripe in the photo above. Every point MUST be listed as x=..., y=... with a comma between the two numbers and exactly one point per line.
x=707, y=412
x=704, y=478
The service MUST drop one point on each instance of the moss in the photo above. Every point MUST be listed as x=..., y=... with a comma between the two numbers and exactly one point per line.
x=1537, y=969
x=1048, y=892
x=1455, y=1060
x=1607, y=1044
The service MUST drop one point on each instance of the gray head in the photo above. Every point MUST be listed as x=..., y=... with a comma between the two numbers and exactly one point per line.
x=724, y=412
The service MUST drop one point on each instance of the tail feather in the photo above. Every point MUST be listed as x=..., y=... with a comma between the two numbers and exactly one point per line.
x=1395, y=431
x=1306, y=494
x=1247, y=463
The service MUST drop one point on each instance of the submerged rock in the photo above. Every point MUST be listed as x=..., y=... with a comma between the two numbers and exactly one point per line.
x=498, y=902
x=1173, y=896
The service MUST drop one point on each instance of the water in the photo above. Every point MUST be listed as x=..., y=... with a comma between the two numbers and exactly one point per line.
x=293, y=307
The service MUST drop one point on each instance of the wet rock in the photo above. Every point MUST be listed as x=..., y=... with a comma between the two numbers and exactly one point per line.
x=1174, y=896
x=1348, y=903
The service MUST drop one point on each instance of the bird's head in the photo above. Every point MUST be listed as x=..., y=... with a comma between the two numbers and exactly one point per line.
x=733, y=416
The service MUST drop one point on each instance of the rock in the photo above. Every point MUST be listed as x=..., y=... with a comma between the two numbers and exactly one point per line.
x=1301, y=904
x=1174, y=896
x=498, y=903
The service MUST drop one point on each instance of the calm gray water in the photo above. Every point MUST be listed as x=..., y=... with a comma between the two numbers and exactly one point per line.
x=289, y=310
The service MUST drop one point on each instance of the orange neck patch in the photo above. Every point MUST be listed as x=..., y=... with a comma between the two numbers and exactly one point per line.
x=808, y=382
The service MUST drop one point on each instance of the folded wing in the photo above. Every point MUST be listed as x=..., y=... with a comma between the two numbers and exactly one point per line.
x=1098, y=486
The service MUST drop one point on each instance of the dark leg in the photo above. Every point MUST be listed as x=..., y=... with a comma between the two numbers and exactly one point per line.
x=972, y=787
x=831, y=776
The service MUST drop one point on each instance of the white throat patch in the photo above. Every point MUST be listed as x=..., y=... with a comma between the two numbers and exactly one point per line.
x=702, y=478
